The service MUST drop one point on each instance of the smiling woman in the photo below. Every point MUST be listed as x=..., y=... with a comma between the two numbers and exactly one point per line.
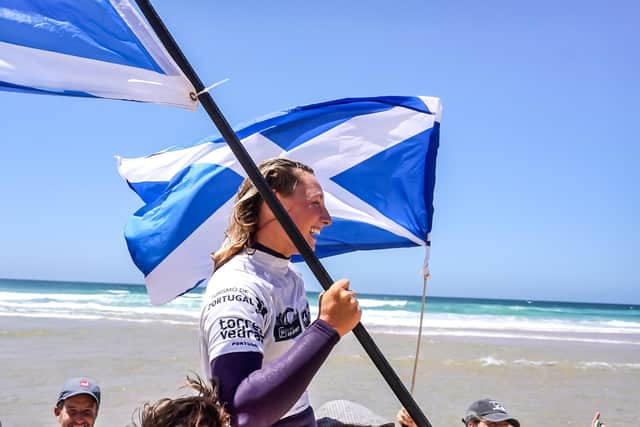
x=257, y=338
x=250, y=216
x=305, y=205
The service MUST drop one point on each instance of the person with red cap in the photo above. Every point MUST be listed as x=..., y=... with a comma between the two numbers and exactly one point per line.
x=78, y=403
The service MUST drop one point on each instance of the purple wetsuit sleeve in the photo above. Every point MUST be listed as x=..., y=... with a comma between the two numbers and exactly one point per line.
x=258, y=395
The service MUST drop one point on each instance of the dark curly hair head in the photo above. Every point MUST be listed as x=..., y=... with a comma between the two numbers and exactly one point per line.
x=200, y=410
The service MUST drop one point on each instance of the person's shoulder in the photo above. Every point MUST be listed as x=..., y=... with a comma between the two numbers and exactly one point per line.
x=234, y=280
x=295, y=274
x=238, y=271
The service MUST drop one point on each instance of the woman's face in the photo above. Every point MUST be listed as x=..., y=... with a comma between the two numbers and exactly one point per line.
x=307, y=210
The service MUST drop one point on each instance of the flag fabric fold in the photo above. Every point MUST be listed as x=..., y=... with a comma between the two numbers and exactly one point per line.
x=374, y=157
x=92, y=48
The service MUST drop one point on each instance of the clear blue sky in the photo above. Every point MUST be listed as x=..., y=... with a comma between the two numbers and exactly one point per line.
x=537, y=183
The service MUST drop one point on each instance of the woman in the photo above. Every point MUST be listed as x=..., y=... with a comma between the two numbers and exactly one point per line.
x=257, y=339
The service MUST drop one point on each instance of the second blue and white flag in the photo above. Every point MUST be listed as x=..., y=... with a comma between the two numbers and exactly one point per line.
x=88, y=48
x=374, y=157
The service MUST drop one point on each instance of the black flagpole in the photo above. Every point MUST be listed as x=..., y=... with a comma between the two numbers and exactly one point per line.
x=278, y=210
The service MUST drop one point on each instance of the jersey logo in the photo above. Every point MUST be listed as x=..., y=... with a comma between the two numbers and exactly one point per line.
x=306, y=316
x=261, y=309
x=235, y=328
x=287, y=325
x=238, y=295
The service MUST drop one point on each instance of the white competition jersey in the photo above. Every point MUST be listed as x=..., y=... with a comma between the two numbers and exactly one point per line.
x=254, y=302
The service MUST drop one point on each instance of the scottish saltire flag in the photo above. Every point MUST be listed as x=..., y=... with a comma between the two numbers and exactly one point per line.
x=94, y=48
x=374, y=157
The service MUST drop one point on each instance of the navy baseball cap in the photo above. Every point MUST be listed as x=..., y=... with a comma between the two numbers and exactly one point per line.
x=489, y=410
x=75, y=386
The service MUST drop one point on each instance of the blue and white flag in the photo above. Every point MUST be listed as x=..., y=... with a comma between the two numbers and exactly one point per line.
x=94, y=48
x=374, y=157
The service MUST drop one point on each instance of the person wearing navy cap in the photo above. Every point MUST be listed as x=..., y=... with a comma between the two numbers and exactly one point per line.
x=488, y=413
x=78, y=403
x=481, y=413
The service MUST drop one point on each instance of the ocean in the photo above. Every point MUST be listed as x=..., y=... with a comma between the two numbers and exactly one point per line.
x=390, y=314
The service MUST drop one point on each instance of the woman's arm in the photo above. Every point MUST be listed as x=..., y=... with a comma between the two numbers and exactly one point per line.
x=260, y=396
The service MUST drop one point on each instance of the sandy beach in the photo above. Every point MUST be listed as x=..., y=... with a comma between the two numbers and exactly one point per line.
x=543, y=382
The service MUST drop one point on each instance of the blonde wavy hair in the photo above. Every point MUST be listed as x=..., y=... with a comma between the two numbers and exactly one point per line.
x=282, y=175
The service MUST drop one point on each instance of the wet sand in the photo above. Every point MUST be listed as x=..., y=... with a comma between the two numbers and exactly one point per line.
x=543, y=382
